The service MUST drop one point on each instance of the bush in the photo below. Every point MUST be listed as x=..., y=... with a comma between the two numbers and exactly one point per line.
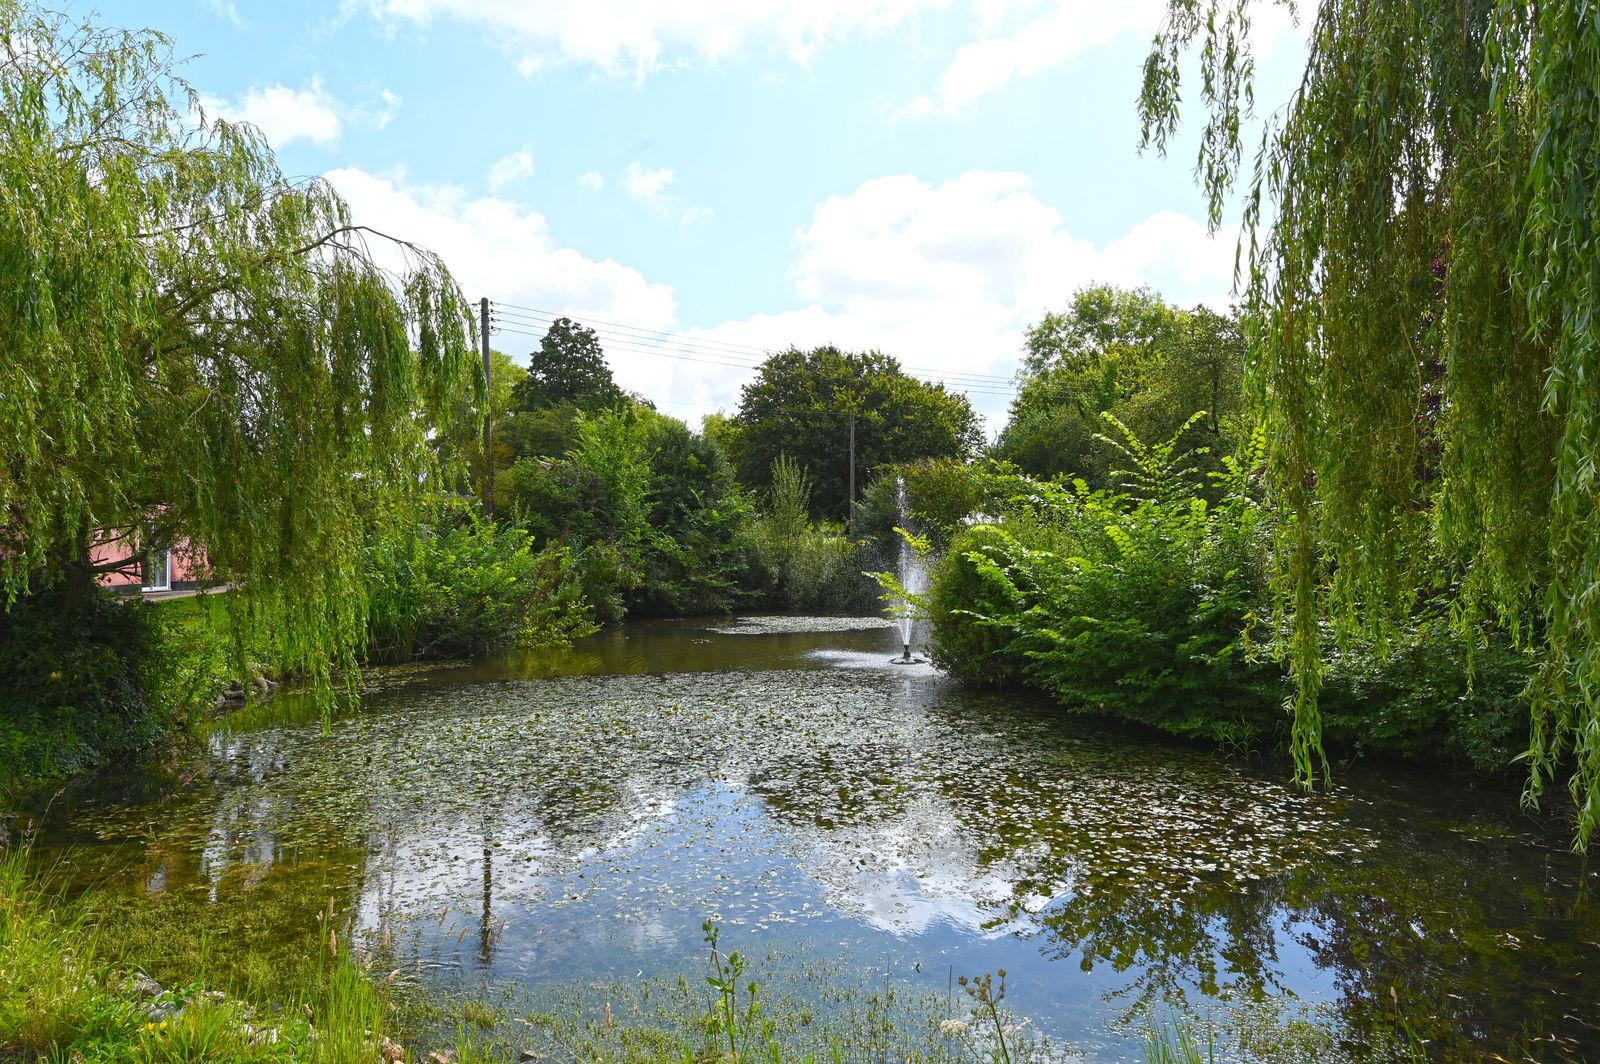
x=815, y=567
x=592, y=503
x=941, y=494
x=72, y=686
x=464, y=586
x=960, y=592
x=1420, y=699
x=695, y=557
x=1130, y=605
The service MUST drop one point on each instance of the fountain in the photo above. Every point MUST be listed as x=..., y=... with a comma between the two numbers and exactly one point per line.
x=913, y=580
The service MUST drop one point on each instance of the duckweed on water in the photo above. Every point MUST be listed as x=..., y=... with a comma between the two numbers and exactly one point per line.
x=655, y=770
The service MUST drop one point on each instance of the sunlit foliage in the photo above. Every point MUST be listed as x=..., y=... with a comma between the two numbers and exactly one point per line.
x=1127, y=605
x=194, y=344
x=1131, y=353
x=1423, y=263
x=803, y=404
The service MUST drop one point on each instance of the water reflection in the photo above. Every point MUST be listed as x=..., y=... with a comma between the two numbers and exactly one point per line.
x=576, y=815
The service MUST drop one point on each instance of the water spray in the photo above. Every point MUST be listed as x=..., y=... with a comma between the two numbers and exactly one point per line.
x=913, y=578
x=907, y=658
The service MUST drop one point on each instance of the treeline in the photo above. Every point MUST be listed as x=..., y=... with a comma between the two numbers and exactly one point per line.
x=587, y=507
x=636, y=514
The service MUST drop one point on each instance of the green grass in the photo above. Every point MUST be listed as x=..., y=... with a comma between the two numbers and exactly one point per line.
x=65, y=997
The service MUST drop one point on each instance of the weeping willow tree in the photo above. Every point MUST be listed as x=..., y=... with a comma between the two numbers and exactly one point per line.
x=193, y=346
x=1423, y=263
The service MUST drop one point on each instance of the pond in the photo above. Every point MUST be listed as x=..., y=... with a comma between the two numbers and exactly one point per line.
x=547, y=823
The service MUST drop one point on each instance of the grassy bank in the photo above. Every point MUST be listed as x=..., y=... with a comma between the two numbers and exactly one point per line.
x=67, y=995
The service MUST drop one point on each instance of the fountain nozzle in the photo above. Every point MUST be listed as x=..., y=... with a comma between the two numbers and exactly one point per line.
x=906, y=658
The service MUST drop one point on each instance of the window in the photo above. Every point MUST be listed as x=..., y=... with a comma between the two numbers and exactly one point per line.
x=158, y=569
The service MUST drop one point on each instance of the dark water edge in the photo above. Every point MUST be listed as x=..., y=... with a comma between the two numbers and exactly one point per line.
x=555, y=821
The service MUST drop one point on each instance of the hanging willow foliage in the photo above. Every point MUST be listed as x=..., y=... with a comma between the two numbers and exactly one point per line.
x=1423, y=262
x=190, y=342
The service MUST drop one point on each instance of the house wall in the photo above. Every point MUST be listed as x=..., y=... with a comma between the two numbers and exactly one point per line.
x=187, y=564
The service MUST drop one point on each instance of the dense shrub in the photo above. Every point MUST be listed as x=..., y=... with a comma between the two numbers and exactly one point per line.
x=592, y=503
x=817, y=570
x=814, y=567
x=696, y=556
x=1129, y=604
x=940, y=496
x=1429, y=697
x=464, y=586
x=72, y=686
x=1136, y=604
x=960, y=593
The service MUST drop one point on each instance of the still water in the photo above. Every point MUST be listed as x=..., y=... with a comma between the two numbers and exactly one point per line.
x=571, y=819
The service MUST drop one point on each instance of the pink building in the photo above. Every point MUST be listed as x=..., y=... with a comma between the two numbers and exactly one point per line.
x=127, y=567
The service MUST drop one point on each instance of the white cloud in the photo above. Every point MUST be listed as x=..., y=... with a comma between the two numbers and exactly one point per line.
x=1175, y=253
x=647, y=186
x=637, y=36
x=593, y=180
x=947, y=277
x=506, y=252
x=312, y=113
x=225, y=9
x=285, y=115
x=514, y=167
x=650, y=188
x=1050, y=40
x=375, y=115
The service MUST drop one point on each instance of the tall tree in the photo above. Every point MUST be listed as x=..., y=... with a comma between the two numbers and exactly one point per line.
x=189, y=339
x=1103, y=324
x=802, y=404
x=1129, y=352
x=569, y=367
x=1422, y=250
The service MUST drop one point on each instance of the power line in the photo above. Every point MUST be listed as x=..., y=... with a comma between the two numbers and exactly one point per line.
x=700, y=357
x=543, y=318
x=615, y=338
x=648, y=351
x=547, y=315
x=706, y=351
x=683, y=352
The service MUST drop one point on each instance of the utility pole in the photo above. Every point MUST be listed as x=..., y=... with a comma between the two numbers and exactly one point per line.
x=488, y=416
x=850, y=511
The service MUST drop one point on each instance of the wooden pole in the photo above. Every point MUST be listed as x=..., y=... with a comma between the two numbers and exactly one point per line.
x=488, y=415
x=850, y=511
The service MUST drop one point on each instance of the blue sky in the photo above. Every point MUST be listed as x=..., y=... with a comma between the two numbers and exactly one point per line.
x=717, y=178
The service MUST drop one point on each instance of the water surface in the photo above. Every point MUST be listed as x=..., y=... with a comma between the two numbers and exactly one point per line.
x=566, y=819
